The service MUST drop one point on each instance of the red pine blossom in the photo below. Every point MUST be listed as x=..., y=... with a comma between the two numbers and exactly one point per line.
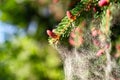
x=72, y=34
x=70, y=15
x=76, y=38
x=118, y=47
x=107, y=46
x=94, y=9
x=94, y=33
x=77, y=42
x=117, y=55
x=78, y=30
x=96, y=42
x=100, y=52
x=102, y=3
x=51, y=34
x=71, y=41
x=108, y=12
x=55, y=1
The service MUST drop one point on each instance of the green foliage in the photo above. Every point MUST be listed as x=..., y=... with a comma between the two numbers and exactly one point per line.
x=29, y=57
x=24, y=59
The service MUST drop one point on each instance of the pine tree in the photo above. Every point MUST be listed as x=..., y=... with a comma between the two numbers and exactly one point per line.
x=88, y=40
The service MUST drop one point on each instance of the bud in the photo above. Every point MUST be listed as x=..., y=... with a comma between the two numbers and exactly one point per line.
x=51, y=34
x=96, y=42
x=71, y=41
x=78, y=30
x=118, y=47
x=70, y=16
x=55, y=1
x=100, y=52
x=102, y=3
x=107, y=46
x=94, y=9
x=108, y=13
x=80, y=41
x=117, y=55
x=77, y=42
x=76, y=38
x=94, y=33
x=72, y=34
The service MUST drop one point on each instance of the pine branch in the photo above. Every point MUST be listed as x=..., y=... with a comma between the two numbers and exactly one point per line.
x=66, y=23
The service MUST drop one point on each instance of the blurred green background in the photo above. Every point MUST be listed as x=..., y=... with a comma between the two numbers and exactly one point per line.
x=25, y=53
